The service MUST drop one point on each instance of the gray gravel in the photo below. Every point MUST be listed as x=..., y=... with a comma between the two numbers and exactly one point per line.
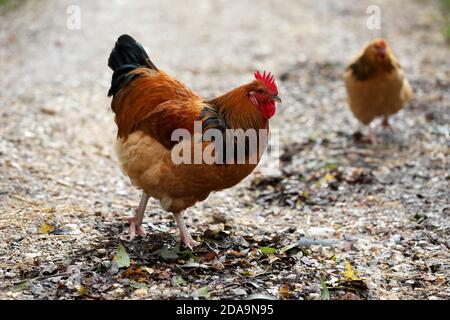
x=382, y=209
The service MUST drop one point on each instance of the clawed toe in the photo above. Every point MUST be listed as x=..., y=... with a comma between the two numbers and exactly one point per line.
x=190, y=243
x=135, y=229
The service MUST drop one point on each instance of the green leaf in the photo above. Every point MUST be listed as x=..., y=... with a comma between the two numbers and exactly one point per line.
x=122, y=259
x=179, y=281
x=267, y=250
x=331, y=164
x=186, y=255
x=325, y=291
x=201, y=293
x=21, y=286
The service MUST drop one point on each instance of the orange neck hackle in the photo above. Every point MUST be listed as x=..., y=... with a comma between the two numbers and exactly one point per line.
x=238, y=109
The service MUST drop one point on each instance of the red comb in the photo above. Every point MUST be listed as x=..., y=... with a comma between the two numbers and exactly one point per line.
x=268, y=79
x=382, y=43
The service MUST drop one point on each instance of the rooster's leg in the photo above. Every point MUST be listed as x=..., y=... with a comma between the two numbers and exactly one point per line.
x=386, y=125
x=372, y=136
x=136, y=220
x=184, y=232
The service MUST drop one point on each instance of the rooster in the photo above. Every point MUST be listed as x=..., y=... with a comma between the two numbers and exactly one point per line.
x=376, y=85
x=149, y=105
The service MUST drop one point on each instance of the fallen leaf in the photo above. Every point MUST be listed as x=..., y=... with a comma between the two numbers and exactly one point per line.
x=258, y=296
x=208, y=256
x=272, y=258
x=166, y=254
x=235, y=253
x=179, y=281
x=194, y=265
x=325, y=291
x=238, y=292
x=284, y=292
x=138, y=285
x=21, y=286
x=46, y=228
x=267, y=250
x=201, y=293
x=290, y=247
x=136, y=274
x=82, y=290
x=161, y=275
x=122, y=259
x=148, y=270
x=350, y=280
x=349, y=274
x=213, y=231
x=216, y=264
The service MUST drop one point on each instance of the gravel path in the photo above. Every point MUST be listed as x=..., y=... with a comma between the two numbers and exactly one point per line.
x=382, y=211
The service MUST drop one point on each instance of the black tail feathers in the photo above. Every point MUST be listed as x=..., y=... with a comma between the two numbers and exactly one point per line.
x=126, y=56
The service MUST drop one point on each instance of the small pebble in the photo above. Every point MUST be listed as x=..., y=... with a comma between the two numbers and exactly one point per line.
x=239, y=292
x=306, y=261
x=314, y=296
x=37, y=289
x=141, y=292
x=216, y=264
x=291, y=278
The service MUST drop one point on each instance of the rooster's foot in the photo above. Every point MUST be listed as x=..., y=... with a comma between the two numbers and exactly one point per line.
x=184, y=232
x=372, y=137
x=135, y=227
x=189, y=242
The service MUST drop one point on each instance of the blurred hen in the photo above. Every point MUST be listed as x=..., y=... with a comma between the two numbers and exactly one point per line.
x=376, y=85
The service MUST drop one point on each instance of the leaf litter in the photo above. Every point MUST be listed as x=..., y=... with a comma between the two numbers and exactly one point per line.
x=358, y=221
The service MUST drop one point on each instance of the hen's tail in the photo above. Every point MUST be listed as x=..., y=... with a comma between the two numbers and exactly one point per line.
x=127, y=55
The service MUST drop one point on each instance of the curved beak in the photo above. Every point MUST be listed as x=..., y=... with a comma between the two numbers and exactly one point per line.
x=276, y=98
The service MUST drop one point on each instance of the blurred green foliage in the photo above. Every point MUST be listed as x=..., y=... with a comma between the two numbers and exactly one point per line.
x=446, y=4
x=446, y=7
x=9, y=4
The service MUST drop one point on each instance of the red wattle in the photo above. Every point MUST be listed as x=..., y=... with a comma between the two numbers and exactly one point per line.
x=268, y=110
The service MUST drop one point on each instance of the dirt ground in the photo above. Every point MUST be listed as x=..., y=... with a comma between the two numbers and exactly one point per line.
x=343, y=219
